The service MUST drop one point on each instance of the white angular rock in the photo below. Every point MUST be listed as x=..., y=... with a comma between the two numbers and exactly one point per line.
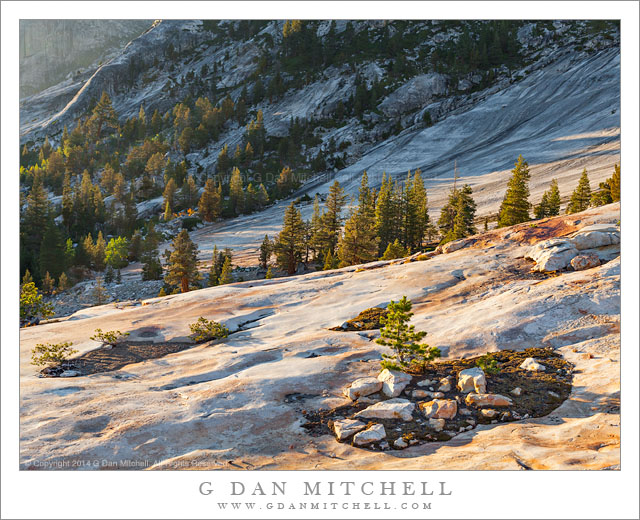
x=481, y=400
x=400, y=443
x=426, y=382
x=552, y=255
x=489, y=413
x=393, y=382
x=472, y=379
x=517, y=391
x=347, y=427
x=532, y=365
x=437, y=424
x=439, y=409
x=390, y=409
x=70, y=373
x=582, y=262
x=373, y=434
x=362, y=387
x=445, y=385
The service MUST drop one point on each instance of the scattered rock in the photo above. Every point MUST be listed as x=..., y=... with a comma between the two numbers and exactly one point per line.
x=553, y=394
x=445, y=385
x=582, y=262
x=439, y=409
x=362, y=387
x=400, y=443
x=390, y=409
x=532, y=365
x=347, y=427
x=426, y=382
x=373, y=434
x=421, y=394
x=586, y=355
x=489, y=413
x=464, y=411
x=517, y=391
x=481, y=400
x=70, y=373
x=472, y=379
x=366, y=400
x=437, y=424
x=393, y=382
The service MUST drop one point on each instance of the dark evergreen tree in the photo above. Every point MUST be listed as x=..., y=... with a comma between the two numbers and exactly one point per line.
x=289, y=245
x=515, y=205
x=182, y=262
x=581, y=197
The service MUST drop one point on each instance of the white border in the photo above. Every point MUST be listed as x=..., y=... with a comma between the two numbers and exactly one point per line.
x=174, y=495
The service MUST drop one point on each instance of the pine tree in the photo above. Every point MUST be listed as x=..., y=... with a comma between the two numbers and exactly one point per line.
x=289, y=245
x=99, y=252
x=359, y=243
x=385, y=214
x=52, y=250
x=394, y=250
x=458, y=216
x=515, y=205
x=104, y=115
x=108, y=274
x=215, y=269
x=581, y=197
x=189, y=193
x=416, y=218
x=403, y=339
x=48, y=284
x=614, y=184
x=541, y=210
x=63, y=282
x=269, y=274
x=553, y=199
x=167, y=212
x=329, y=261
x=266, y=248
x=263, y=196
x=118, y=276
x=27, y=278
x=209, y=206
x=236, y=192
x=135, y=246
x=99, y=293
x=332, y=218
x=169, y=195
x=226, y=276
x=182, y=262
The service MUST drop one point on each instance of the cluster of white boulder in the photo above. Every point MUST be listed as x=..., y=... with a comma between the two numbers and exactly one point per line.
x=586, y=249
x=437, y=410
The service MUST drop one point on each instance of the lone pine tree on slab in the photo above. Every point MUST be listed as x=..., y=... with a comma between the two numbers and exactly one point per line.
x=182, y=262
x=515, y=205
x=403, y=339
x=581, y=197
x=289, y=245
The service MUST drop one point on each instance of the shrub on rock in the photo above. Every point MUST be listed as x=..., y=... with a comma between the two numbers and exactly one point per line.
x=50, y=353
x=205, y=330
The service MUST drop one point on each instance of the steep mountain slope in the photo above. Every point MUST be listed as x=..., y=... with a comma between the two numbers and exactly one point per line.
x=51, y=50
x=239, y=403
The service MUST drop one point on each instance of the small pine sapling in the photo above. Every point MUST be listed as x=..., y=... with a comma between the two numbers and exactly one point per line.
x=110, y=337
x=205, y=330
x=403, y=339
x=488, y=365
x=51, y=353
